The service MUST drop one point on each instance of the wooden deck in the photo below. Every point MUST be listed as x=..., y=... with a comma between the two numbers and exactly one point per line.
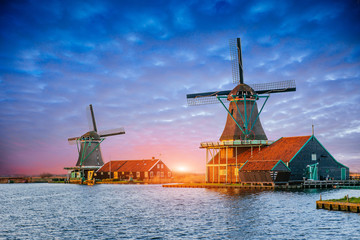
x=338, y=206
x=219, y=185
x=329, y=183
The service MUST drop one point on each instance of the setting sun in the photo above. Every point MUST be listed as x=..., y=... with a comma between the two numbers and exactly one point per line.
x=182, y=169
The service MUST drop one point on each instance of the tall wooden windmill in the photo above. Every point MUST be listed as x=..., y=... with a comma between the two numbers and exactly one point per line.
x=243, y=129
x=88, y=145
x=243, y=120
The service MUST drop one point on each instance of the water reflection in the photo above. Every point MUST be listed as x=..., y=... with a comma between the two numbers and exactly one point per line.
x=150, y=211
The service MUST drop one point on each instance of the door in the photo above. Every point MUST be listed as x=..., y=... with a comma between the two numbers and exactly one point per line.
x=90, y=175
x=343, y=173
x=312, y=171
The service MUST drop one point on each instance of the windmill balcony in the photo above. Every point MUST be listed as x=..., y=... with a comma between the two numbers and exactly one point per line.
x=244, y=143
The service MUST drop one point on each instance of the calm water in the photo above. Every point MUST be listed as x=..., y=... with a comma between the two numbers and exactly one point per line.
x=64, y=211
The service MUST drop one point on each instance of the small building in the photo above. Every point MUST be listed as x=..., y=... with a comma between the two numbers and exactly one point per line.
x=264, y=171
x=150, y=170
x=305, y=156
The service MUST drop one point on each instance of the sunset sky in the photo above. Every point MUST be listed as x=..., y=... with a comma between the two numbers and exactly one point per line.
x=135, y=61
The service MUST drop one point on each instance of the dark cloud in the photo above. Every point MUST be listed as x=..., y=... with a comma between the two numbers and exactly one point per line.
x=135, y=61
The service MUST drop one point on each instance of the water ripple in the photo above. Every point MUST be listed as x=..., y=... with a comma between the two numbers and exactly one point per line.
x=60, y=211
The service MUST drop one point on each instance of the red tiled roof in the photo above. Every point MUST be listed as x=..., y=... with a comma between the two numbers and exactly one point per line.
x=259, y=165
x=285, y=149
x=128, y=165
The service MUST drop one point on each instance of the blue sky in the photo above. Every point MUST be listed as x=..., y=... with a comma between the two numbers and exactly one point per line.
x=135, y=61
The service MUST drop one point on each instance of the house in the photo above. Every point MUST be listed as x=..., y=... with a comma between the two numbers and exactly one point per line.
x=150, y=170
x=264, y=171
x=305, y=156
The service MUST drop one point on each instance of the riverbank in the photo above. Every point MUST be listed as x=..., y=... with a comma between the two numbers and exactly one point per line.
x=224, y=185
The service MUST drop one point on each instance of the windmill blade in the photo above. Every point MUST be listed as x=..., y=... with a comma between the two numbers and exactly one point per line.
x=236, y=61
x=274, y=87
x=91, y=118
x=73, y=140
x=205, y=98
x=112, y=132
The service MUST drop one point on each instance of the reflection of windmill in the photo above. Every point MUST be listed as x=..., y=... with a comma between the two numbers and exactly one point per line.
x=243, y=116
x=88, y=145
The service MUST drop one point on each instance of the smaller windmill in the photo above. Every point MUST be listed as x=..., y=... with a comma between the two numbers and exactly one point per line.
x=243, y=120
x=88, y=145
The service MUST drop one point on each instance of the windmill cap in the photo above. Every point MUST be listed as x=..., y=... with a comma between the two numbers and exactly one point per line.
x=91, y=134
x=241, y=88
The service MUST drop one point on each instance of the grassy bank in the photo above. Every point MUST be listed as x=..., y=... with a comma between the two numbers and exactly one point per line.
x=345, y=199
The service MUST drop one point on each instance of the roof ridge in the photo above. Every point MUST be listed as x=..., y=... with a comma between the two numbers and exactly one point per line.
x=260, y=160
x=298, y=136
x=135, y=160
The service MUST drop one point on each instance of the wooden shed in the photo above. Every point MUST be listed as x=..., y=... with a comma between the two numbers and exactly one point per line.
x=264, y=171
x=148, y=170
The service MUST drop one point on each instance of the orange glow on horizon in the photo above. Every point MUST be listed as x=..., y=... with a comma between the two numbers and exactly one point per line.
x=181, y=169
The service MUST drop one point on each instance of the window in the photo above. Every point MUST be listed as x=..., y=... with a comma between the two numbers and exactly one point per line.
x=146, y=174
x=158, y=174
x=313, y=156
x=102, y=173
x=95, y=174
x=151, y=174
x=236, y=171
x=158, y=166
x=162, y=165
x=223, y=172
x=169, y=174
x=162, y=174
x=137, y=174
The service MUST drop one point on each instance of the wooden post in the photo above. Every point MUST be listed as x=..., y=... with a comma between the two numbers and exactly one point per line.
x=213, y=157
x=226, y=178
x=219, y=167
x=236, y=168
x=206, y=164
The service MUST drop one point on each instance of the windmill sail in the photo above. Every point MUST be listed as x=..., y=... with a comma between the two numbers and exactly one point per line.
x=112, y=132
x=236, y=61
x=274, y=87
x=91, y=118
